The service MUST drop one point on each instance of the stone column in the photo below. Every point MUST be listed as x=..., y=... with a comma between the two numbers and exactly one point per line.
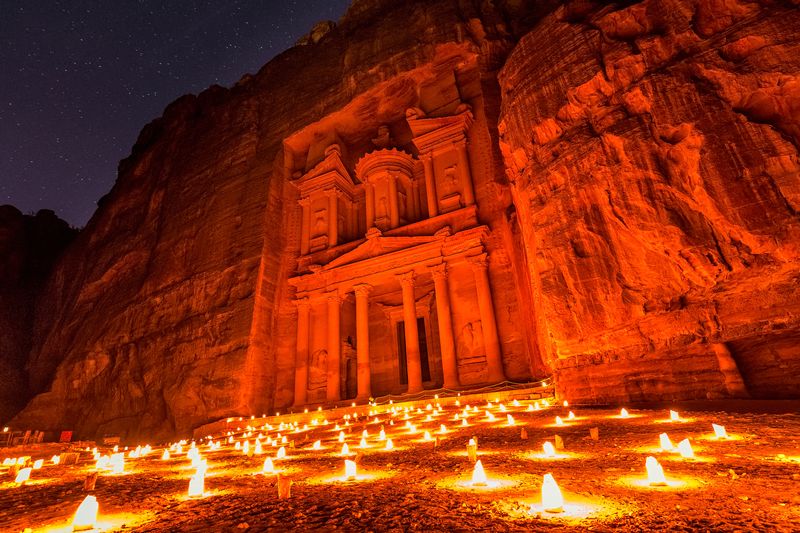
x=494, y=358
x=362, y=291
x=370, y=199
x=301, y=353
x=333, y=217
x=466, y=179
x=305, y=232
x=334, y=347
x=394, y=211
x=412, y=335
x=447, y=344
x=430, y=185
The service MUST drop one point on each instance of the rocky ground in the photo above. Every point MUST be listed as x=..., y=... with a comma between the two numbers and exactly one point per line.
x=750, y=481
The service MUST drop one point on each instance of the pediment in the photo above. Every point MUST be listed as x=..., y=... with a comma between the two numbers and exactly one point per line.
x=378, y=246
x=332, y=164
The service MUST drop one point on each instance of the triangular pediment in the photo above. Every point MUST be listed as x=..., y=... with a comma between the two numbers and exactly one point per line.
x=331, y=164
x=378, y=246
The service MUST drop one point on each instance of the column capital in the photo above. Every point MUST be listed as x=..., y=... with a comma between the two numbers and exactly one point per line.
x=302, y=302
x=406, y=278
x=438, y=271
x=362, y=289
x=305, y=201
x=479, y=262
x=333, y=191
x=426, y=156
x=333, y=296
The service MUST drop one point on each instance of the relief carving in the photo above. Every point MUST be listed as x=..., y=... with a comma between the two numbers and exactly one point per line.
x=317, y=370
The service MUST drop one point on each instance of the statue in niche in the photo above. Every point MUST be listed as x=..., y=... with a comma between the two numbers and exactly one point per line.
x=450, y=180
x=350, y=374
x=383, y=208
x=318, y=370
x=470, y=340
x=384, y=138
x=320, y=224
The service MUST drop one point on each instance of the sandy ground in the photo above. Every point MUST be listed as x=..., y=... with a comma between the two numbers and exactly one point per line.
x=749, y=482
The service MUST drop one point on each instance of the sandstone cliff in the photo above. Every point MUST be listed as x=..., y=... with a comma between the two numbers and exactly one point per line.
x=653, y=148
x=29, y=247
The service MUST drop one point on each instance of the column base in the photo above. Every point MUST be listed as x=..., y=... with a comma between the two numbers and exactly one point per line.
x=415, y=390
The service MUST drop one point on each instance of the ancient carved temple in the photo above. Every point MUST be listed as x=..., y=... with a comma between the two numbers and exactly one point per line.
x=393, y=291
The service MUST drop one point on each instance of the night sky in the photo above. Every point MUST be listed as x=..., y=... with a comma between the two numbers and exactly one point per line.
x=79, y=79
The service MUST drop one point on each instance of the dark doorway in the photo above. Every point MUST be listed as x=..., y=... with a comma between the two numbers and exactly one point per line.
x=423, y=351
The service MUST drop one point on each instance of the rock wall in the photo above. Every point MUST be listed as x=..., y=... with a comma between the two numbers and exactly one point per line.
x=654, y=150
x=162, y=316
x=29, y=246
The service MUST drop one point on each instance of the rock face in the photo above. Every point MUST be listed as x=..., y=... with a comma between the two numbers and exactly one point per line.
x=653, y=149
x=29, y=247
x=636, y=165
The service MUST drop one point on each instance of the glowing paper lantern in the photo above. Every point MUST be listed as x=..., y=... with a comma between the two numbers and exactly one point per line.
x=623, y=413
x=552, y=500
x=345, y=449
x=269, y=468
x=685, y=449
x=117, y=463
x=566, y=403
x=86, y=515
x=389, y=444
x=559, y=422
x=349, y=469
x=509, y=420
x=666, y=444
x=363, y=443
x=38, y=464
x=549, y=449
x=317, y=445
x=23, y=475
x=382, y=435
x=442, y=428
x=258, y=450
x=197, y=484
x=719, y=431
x=281, y=453
x=478, y=475
x=341, y=436
x=571, y=416
x=55, y=459
x=655, y=473
x=674, y=416
x=427, y=436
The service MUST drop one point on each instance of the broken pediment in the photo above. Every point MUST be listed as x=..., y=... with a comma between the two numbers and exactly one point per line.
x=378, y=245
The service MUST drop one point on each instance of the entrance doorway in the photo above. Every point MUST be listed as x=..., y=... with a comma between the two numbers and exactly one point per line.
x=423, y=351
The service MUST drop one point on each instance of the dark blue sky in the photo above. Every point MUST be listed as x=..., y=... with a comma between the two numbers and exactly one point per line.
x=79, y=79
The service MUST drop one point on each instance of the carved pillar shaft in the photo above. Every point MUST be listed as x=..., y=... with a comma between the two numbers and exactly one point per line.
x=413, y=363
x=430, y=186
x=370, y=205
x=494, y=358
x=305, y=231
x=334, y=348
x=333, y=218
x=362, y=341
x=463, y=168
x=446, y=342
x=301, y=355
x=394, y=211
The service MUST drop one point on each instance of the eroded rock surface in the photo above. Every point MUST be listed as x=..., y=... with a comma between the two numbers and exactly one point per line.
x=654, y=153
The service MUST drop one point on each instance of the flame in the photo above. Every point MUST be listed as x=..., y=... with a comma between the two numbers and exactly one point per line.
x=549, y=449
x=685, y=449
x=719, y=431
x=349, y=469
x=655, y=473
x=246, y=447
x=86, y=515
x=442, y=428
x=666, y=444
x=56, y=459
x=478, y=475
x=552, y=500
x=623, y=413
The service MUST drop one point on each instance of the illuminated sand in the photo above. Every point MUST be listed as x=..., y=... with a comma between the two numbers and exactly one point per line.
x=749, y=481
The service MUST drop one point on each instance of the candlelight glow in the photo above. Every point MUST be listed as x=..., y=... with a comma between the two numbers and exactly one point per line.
x=509, y=420
x=665, y=443
x=349, y=469
x=685, y=449
x=345, y=449
x=571, y=416
x=655, y=473
x=23, y=475
x=363, y=443
x=719, y=431
x=552, y=500
x=549, y=449
x=317, y=445
x=269, y=467
x=559, y=422
x=478, y=475
x=281, y=453
x=389, y=444
x=674, y=416
x=197, y=484
x=86, y=515
x=623, y=413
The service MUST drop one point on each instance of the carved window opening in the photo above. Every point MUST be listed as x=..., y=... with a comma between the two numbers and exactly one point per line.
x=423, y=351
